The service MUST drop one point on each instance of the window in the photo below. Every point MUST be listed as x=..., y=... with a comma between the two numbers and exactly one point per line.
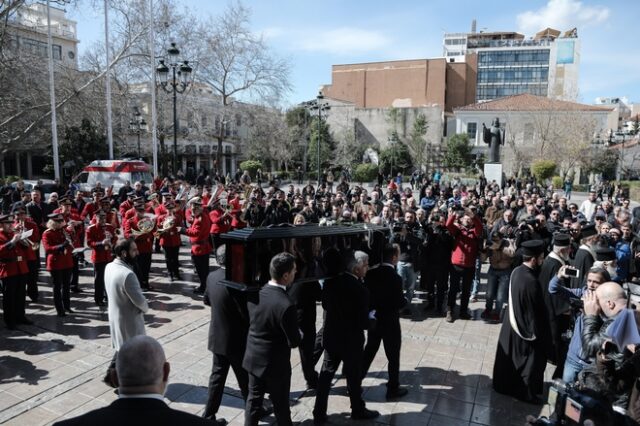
x=39, y=48
x=472, y=129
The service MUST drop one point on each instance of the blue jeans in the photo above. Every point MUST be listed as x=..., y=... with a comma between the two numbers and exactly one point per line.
x=497, y=288
x=571, y=370
x=476, y=277
x=408, y=275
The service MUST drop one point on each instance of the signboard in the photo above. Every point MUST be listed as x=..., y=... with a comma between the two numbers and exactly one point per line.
x=565, y=51
x=493, y=171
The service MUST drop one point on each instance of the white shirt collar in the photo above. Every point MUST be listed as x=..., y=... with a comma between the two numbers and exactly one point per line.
x=141, y=395
x=275, y=284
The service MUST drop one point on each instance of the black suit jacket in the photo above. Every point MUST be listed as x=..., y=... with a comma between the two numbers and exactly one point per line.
x=135, y=412
x=386, y=295
x=273, y=331
x=229, y=323
x=304, y=296
x=36, y=212
x=346, y=303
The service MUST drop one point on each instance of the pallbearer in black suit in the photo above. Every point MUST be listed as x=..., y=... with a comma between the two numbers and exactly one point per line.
x=273, y=331
x=386, y=300
x=228, y=330
x=346, y=303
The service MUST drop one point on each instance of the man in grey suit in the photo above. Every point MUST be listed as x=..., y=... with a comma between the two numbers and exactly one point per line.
x=127, y=304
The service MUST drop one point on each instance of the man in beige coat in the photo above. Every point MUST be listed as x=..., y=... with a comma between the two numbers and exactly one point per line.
x=127, y=304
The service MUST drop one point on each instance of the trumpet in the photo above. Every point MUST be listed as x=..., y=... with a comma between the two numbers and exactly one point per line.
x=26, y=241
x=67, y=236
x=108, y=237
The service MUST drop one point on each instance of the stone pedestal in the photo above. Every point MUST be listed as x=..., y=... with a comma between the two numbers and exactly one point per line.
x=493, y=171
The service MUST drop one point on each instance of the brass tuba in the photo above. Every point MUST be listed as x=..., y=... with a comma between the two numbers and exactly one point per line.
x=167, y=224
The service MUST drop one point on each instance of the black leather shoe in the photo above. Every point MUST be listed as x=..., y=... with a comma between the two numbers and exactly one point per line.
x=397, y=392
x=265, y=411
x=69, y=310
x=76, y=289
x=25, y=321
x=319, y=419
x=198, y=291
x=62, y=314
x=365, y=414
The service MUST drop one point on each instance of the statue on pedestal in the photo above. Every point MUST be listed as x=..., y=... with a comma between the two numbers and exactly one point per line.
x=494, y=137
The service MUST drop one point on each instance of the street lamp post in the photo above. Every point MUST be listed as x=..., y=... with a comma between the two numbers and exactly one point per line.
x=320, y=106
x=137, y=125
x=180, y=79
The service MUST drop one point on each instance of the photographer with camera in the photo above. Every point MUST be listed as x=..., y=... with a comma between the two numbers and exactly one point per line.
x=405, y=234
x=436, y=262
x=465, y=227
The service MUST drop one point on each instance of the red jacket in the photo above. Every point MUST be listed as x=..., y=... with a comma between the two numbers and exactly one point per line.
x=198, y=234
x=95, y=236
x=89, y=210
x=59, y=254
x=467, y=241
x=30, y=253
x=8, y=256
x=23, y=252
x=219, y=222
x=124, y=207
x=144, y=241
x=171, y=237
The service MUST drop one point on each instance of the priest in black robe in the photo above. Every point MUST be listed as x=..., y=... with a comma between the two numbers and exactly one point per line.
x=585, y=256
x=521, y=356
x=558, y=307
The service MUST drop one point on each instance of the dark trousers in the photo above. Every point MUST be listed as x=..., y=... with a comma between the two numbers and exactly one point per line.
x=278, y=389
x=434, y=279
x=32, y=279
x=318, y=348
x=460, y=279
x=201, y=263
x=11, y=296
x=391, y=338
x=61, y=294
x=75, y=272
x=144, y=266
x=218, y=378
x=352, y=369
x=98, y=282
x=171, y=258
x=307, y=349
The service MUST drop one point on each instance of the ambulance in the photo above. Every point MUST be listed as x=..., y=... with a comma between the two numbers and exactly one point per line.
x=113, y=173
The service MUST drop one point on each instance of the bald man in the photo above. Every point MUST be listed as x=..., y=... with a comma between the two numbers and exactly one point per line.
x=600, y=310
x=142, y=373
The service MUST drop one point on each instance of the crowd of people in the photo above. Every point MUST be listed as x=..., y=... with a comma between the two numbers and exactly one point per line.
x=545, y=255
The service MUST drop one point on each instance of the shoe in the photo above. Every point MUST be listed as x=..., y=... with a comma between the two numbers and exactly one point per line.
x=76, y=289
x=11, y=327
x=494, y=317
x=198, y=291
x=449, y=317
x=265, y=411
x=406, y=312
x=172, y=278
x=319, y=419
x=178, y=277
x=396, y=392
x=100, y=304
x=69, y=310
x=486, y=314
x=25, y=321
x=465, y=315
x=62, y=314
x=365, y=414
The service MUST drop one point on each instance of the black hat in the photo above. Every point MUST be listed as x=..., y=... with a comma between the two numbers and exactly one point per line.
x=6, y=218
x=138, y=200
x=56, y=216
x=605, y=254
x=170, y=205
x=588, y=231
x=100, y=212
x=131, y=194
x=196, y=201
x=106, y=200
x=65, y=200
x=166, y=194
x=561, y=240
x=532, y=248
x=152, y=196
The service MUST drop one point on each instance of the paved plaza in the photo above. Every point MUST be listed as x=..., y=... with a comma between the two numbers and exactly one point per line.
x=53, y=369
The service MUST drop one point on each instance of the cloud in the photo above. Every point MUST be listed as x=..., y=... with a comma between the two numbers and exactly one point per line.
x=273, y=32
x=561, y=15
x=341, y=41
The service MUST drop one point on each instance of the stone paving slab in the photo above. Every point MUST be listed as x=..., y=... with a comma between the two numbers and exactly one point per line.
x=53, y=369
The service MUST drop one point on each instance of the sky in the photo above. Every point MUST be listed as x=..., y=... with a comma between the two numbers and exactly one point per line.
x=313, y=36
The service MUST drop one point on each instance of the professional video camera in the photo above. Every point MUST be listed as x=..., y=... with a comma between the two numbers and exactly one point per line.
x=573, y=406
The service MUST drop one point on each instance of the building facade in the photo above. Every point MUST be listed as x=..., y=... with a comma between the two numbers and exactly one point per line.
x=535, y=127
x=509, y=64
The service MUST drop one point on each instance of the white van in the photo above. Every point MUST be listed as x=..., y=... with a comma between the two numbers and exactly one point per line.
x=113, y=173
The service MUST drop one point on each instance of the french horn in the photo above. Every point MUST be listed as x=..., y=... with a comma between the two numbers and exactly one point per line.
x=145, y=225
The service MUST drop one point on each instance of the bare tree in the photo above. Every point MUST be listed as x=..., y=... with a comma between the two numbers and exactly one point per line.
x=236, y=63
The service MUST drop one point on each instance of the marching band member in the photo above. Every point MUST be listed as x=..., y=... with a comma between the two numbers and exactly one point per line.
x=141, y=228
x=32, y=251
x=198, y=234
x=220, y=220
x=75, y=229
x=58, y=247
x=168, y=232
x=101, y=237
x=13, y=289
x=91, y=207
x=127, y=204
